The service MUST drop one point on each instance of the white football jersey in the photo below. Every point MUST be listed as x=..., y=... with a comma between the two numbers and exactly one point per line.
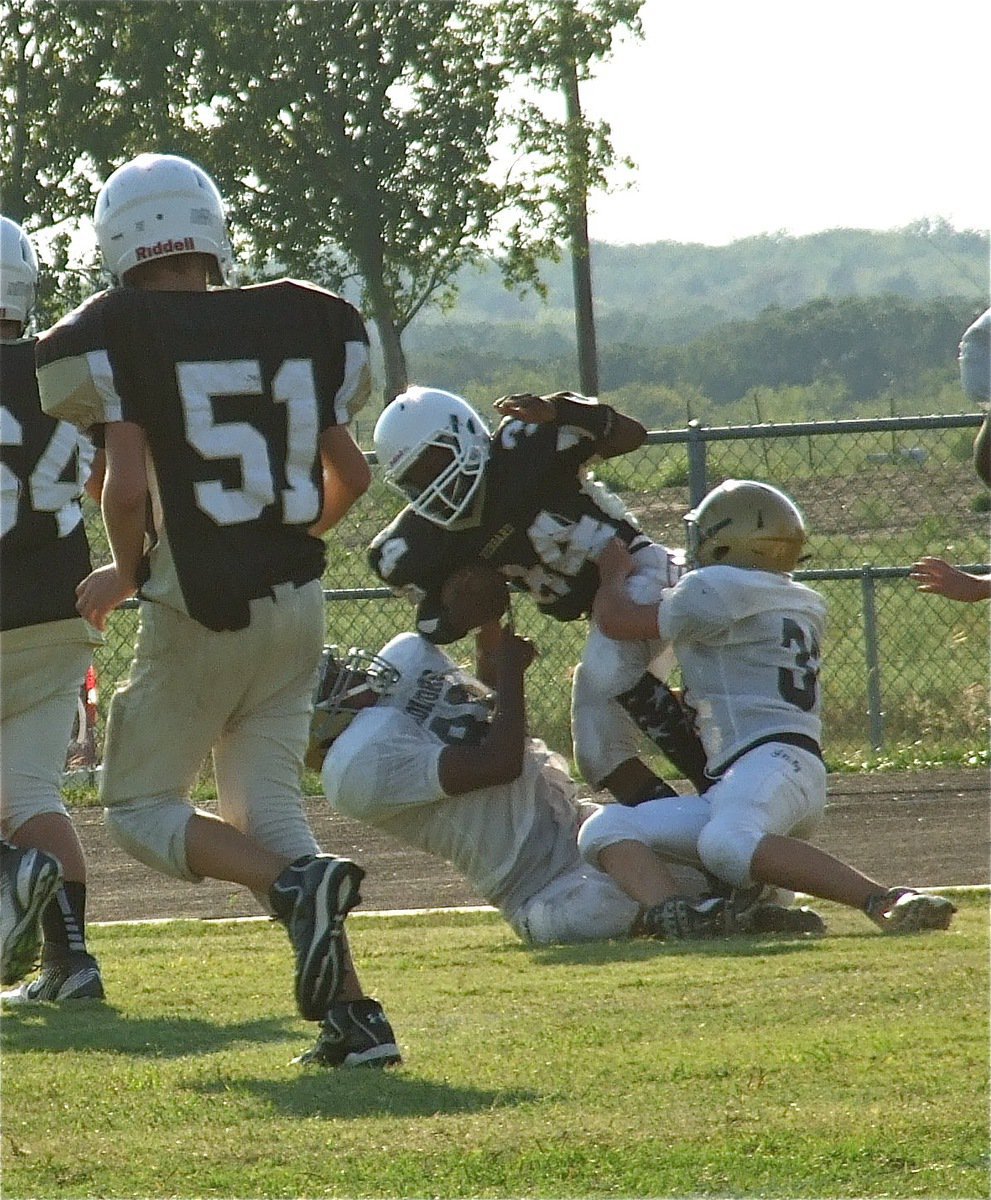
x=508, y=841
x=748, y=643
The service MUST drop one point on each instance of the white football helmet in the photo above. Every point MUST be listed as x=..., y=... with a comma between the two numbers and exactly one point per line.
x=158, y=205
x=18, y=272
x=340, y=679
x=745, y=524
x=421, y=418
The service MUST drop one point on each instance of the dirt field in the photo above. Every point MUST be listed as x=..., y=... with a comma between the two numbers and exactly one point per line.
x=917, y=828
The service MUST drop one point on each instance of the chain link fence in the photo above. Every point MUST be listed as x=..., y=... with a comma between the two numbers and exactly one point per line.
x=903, y=671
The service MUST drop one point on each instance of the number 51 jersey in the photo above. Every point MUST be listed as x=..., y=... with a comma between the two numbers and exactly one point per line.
x=232, y=389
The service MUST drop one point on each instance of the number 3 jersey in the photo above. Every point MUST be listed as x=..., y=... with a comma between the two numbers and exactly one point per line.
x=540, y=521
x=43, y=548
x=748, y=643
x=508, y=841
x=232, y=389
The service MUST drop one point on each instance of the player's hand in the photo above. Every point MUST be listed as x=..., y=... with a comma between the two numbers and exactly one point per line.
x=526, y=407
x=937, y=576
x=513, y=652
x=615, y=561
x=100, y=593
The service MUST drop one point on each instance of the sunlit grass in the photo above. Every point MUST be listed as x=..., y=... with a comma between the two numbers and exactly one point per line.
x=851, y=1066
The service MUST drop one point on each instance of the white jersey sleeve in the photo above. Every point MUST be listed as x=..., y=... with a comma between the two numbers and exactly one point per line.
x=383, y=763
x=748, y=643
x=508, y=840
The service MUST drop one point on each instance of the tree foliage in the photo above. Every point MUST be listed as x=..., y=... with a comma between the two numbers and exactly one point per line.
x=353, y=138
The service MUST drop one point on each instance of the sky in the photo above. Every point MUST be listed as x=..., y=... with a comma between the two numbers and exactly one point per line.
x=784, y=116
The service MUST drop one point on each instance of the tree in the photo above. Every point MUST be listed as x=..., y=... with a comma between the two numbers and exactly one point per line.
x=359, y=136
x=85, y=85
x=354, y=139
x=555, y=44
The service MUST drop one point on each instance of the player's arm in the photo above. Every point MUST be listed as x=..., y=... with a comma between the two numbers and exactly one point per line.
x=346, y=476
x=615, y=613
x=939, y=577
x=97, y=473
x=499, y=757
x=124, y=502
x=613, y=432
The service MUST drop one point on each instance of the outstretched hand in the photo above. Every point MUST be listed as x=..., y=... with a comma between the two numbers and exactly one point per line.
x=526, y=407
x=939, y=577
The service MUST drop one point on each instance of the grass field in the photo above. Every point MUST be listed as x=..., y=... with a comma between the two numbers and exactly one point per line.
x=856, y=1065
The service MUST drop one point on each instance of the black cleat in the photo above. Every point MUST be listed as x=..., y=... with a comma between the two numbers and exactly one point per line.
x=355, y=1033
x=311, y=898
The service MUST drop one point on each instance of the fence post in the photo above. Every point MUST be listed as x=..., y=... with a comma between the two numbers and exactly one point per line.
x=696, y=463
x=874, y=713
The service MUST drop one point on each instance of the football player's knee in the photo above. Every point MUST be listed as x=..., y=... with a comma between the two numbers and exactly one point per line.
x=153, y=832
x=612, y=823
x=602, y=734
x=726, y=850
x=26, y=799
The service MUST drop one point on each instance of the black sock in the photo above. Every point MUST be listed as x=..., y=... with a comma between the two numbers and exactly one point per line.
x=64, y=921
x=665, y=720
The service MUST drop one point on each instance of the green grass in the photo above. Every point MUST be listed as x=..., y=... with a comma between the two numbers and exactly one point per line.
x=852, y=1066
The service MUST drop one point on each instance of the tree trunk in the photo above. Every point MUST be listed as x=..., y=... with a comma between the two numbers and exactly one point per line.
x=372, y=261
x=581, y=263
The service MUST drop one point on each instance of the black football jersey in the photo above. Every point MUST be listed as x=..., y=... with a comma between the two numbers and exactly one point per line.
x=232, y=389
x=43, y=548
x=540, y=521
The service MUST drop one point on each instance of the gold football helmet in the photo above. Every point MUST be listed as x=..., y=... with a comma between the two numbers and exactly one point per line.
x=745, y=524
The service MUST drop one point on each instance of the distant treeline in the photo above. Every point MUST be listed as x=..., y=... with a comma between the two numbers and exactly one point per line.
x=859, y=316
x=859, y=348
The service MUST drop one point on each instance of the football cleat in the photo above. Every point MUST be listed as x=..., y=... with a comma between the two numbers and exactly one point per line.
x=904, y=910
x=754, y=911
x=311, y=898
x=28, y=880
x=680, y=919
x=74, y=978
x=354, y=1033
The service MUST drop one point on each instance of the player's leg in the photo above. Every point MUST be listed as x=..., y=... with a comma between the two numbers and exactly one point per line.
x=628, y=677
x=41, y=684
x=581, y=904
x=607, y=743
x=258, y=761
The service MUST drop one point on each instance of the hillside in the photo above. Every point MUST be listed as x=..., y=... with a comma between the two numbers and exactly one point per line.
x=865, y=315
x=670, y=292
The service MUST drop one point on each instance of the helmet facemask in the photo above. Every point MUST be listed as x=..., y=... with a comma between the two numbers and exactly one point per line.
x=339, y=683
x=433, y=448
x=448, y=496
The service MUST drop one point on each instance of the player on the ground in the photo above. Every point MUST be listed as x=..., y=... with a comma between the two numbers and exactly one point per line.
x=441, y=760
x=225, y=415
x=520, y=500
x=46, y=649
x=748, y=638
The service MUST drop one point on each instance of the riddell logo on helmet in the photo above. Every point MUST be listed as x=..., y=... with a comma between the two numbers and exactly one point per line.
x=170, y=246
